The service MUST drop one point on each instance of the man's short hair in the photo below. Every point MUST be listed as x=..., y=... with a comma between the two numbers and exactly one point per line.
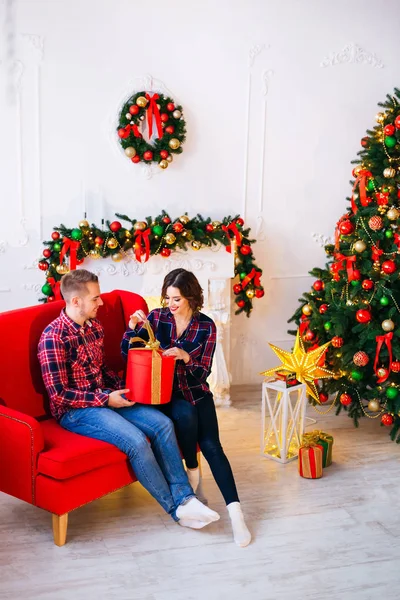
x=75, y=283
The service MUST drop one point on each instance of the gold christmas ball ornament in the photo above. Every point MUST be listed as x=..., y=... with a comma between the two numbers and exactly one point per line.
x=83, y=224
x=216, y=224
x=250, y=293
x=169, y=158
x=196, y=245
x=141, y=101
x=380, y=117
x=94, y=254
x=307, y=310
x=360, y=246
x=130, y=152
x=140, y=226
x=184, y=233
x=62, y=269
x=174, y=143
x=163, y=164
x=393, y=214
x=184, y=219
x=389, y=172
x=177, y=114
x=387, y=325
x=117, y=256
x=112, y=243
x=170, y=238
x=128, y=234
x=381, y=372
x=373, y=405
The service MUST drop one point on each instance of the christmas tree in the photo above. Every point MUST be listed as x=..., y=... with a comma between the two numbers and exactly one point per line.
x=355, y=301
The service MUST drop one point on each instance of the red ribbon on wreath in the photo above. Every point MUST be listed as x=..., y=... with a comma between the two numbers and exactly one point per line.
x=153, y=108
x=350, y=260
x=55, y=286
x=72, y=246
x=142, y=237
x=135, y=130
x=238, y=236
x=360, y=181
x=397, y=239
x=254, y=274
x=380, y=340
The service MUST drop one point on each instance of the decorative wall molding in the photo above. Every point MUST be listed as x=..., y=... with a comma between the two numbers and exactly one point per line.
x=266, y=77
x=260, y=229
x=322, y=240
x=290, y=276
x=254, y=52
x=37, y=42
x=352, y=53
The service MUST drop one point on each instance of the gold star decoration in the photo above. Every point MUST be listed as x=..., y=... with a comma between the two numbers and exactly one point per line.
x=303, y=364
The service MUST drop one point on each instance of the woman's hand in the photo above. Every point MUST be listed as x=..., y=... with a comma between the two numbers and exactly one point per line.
x=178, y=354
x=137, y=317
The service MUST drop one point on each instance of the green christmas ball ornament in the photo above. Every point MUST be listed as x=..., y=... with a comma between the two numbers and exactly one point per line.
x=355, y=283
x=370, y=185
x=76, y=234
x=392, y=393
x=389, y=233
x=327, y=326
x=356, y=375
x=158, y=230
x=390, y=141
x=242, y=275
x=57, y=247
x=47, y=290
x=384, y=301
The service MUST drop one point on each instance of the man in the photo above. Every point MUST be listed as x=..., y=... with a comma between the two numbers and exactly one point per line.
x=88, y=398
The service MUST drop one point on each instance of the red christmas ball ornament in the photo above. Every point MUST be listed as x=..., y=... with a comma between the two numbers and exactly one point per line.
x=240, y=221
x=55, y=235
x=98, y=240
x=323, y=308
x=375, y=223
x=177, y=227
x=318, y=285
x=337, y=342
x=387, y=419
x=148, y=155
x=164, y=117
x=323, y=397
x=115, y=226
x=356, y=274
x=80, y=261
x=346, y=227
x=241, y=303
x=389, y=129
x=360, y=358
x=46, y=253
x=170, y=129
x=135, y=159
x=123, y=133
x=170, y=106
x=397, y=122
x=209, y=227
x=237, y=288
x=309, y=336
x=365, y=142
x=367, y=284
x=164, y=154
x=345, y=399
x=260, y=294
x=363, y=315
x=165, y=252
x=245, y=249
x=388, y=267
x=43, y=265
x=134, y=109
x=166, y=220
x=396, y=366
x=51, y=298
x=382, y=200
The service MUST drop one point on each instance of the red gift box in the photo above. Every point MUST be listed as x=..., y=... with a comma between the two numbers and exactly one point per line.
x=310, y=460
x=150, y=375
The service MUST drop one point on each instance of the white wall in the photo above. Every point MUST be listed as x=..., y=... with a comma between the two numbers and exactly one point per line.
x=302, y=129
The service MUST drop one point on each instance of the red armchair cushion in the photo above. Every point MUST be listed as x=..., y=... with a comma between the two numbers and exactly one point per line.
x=68, y=454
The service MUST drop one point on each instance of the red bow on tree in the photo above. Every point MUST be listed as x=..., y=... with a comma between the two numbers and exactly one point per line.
x=55, y=286
x=360, y=181
x=350, y=260
x=380, y=340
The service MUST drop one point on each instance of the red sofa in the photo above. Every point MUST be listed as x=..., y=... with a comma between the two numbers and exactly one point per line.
x=40, y=462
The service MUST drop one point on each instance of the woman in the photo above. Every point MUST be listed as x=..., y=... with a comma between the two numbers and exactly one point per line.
x=189, y=335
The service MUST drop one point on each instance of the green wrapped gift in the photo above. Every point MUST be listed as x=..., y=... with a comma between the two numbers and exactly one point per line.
x=323, y=439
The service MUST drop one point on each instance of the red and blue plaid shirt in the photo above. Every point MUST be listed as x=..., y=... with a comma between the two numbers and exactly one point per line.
x=198, y=340
x=71, y=357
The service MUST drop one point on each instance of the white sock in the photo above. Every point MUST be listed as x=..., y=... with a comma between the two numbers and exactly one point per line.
x=194, y=510
x=195, y=481
x=193, y=524
x=241, y=534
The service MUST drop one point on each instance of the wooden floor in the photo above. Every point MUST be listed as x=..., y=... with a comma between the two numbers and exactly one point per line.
x=337, y=538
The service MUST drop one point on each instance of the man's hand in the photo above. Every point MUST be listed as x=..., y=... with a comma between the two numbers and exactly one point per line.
x=115, y=399
x=178, y=354
x=137, y=317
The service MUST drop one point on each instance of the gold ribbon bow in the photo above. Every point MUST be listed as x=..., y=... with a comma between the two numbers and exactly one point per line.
x=154, y=345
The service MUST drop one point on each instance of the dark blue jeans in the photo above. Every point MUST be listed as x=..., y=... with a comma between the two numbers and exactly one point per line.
x=197, y=423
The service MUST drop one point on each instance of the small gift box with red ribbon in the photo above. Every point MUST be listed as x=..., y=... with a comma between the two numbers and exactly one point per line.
x=325, y=440
x=310, y=460
x=150, y=375
x=288, y=378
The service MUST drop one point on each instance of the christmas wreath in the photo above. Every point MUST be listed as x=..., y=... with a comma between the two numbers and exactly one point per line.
x=142, y=239
x=166, y=128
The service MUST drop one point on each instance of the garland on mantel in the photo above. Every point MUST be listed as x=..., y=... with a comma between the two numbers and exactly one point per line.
x=162, y=235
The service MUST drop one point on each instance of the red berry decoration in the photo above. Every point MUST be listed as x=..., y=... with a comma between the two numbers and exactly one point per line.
x=259, y=293
x=51, y=298
x=323, y=397
x=310, y=336
x=241, y=303
x=361, y=359
x=363, y=315
x=209, y=227
x=115, y=226
x=375, y=223
x=346, y=227
x=164, y=154
x=170, y=129
x=170, y=106
x=388, y=267
x=245, y=249
x=356, y=274
x=396, y=366
x=367, y=284
x=43, y=265
x=148, y=155
x=164, y=117
x=55, y=235
x=98, y=240
x=337, y=342
x=166, y=220
x=389, y=129
x=323, y=308
x=387, y=419
x=123, y=133
x=345, y=399
x=135, y=159
x=134, y=109
x=177, y=227
x=240, y=221
x=318, y=285
x=365, y=142
x=165, y=252
x=237, y=288
x=46, y=253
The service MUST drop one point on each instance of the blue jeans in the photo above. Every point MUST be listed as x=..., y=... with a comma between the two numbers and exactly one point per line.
x=157, y=463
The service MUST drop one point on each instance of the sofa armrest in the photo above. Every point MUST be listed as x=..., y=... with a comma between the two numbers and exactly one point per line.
x=21, y=440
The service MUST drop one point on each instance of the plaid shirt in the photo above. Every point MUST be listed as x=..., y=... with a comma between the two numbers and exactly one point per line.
x=71, y=357
x=198, y=340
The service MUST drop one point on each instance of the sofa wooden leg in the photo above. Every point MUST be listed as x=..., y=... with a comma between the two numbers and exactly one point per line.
x=60, y=524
